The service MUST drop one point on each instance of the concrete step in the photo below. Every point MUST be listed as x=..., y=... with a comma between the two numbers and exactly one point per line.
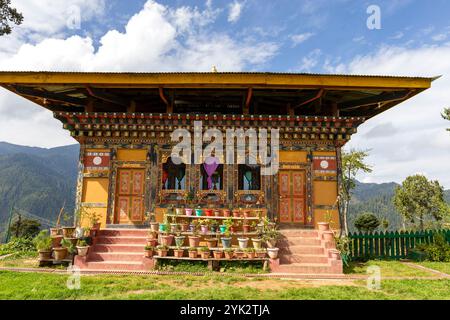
x=300, y=233
x=118, y=248
x=121, y=240
x=123, y=232
x=305, y=258
x=115, y=265
x=294, y=241
x=307, y=268
x=115, y=256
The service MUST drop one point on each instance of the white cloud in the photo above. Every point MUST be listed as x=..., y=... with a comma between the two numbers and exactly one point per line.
x=439, y=37
x=310, y=61
x=158, y=38
x=419, y=142
x=397, y=36
x=235, y=10
x=300, y=38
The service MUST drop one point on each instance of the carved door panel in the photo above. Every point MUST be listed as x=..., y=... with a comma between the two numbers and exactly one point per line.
x=130, y=196
x=292, y=188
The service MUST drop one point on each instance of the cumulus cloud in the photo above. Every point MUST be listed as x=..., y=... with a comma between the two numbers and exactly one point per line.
x=300, y=38
x=235, y=10
x=158, y=38
x=420, y=143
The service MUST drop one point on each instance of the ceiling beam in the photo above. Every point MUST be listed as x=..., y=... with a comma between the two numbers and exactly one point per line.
x=25, y=91
x=383, y=97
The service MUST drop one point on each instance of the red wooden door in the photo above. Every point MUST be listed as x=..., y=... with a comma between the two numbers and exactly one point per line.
x=130, y=196
x=292, y=188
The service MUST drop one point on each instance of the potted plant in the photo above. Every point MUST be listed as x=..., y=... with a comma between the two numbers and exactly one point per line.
x=226, y=240
x=222, y=228
x=229, y=253
x=174, y=227
x=162, y=250
x=271, y=236
x=82, y=248
x=178, y=252
x=261, y=253
x=149, y=251
x=43, y=243
x=256, y=243
x=198, y=211
x=194, y=239
x=56, y=241
x=272, y=252
x=213, y=225
x=184, y=225
x=204, y=225
x=245, y=226
x=179, y=211
x=239, y=253
x=211, y=242
x=154, y=226
x=179, y=240
x=190, y=196
x=209, y=212
x=188, y=211
x=68, y=232
x=170, y=210
x=227, y=212
x=61, y=252
x=216, y=212
x=152, y=239
x=192, y=251
x=247, y=213
x=204, y=252
x=218, y=254
x=94, y=219
x=236, y=213
x=243, y=243
x=250, y=253
x=167, y=239
x=229, y=223
x=55, y=231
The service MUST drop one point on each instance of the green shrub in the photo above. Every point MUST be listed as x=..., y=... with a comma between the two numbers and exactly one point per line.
x=439, y=250
x=43, y=241
x=17, y=245
x=367, y=222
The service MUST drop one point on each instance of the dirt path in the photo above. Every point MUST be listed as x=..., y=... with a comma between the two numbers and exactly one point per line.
x=417, y=266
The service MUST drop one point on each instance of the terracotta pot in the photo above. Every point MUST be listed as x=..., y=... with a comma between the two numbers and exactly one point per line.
x=188, y=212
x=205, y=254
x=55, y=231
x=251, y=255
x=256, y=243
x=236, y=213
x=335, y=255
x=323, y=226
x=174, y=227
x=82, y=251
x=149, y=253
x=56, y=241
x=229, y=255
x=261, y=254
x=60, y=253
x=166, y=240
x=184, y=227
x=151, y=242
x=226, y=213
x=217, y=213
x=239, y=254
x=179, y=211
x=272, y=252
x=247, y=213
x=204, y=229
x=218, y=254
x=162, y=253
x=211, y=243
x=194, y=241
x=68, y=232
x=246, y=228
x=45, y=254
x=178, y=253
x=243, y=243
x=232, y=229
x=328, y=236
x=154, y=226
x=193, y=254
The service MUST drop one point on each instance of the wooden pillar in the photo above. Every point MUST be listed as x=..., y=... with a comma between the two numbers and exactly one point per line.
x=334, y=109
x=90, y=105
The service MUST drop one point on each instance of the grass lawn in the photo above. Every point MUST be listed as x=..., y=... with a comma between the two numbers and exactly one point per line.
x=389, y=268
x=439, y=266
x=53, y=286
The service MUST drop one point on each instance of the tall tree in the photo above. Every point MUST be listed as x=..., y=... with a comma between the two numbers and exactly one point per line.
x=352, y=164
x=367, y=222
x=446, y=115
x=8, y=16
x=418, y=199
x=25, y=228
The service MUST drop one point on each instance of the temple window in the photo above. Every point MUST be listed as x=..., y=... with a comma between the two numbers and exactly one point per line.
x=173, y=175
x=249, y=177
x=211, y=175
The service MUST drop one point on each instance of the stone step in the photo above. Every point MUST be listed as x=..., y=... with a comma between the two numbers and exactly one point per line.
x=118, y=248
x=300, y=233
x=115, y=256
x=305, y=258
x=307, y=268
x=123, y=232
x=294, y=241
x=300, y=249
x=115, y=265
x=121, y=240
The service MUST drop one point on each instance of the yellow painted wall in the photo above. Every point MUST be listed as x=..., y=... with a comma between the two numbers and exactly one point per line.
x=324, y=153
x=293, y=156
x=95, y=191
x=331, y=216
x=131, y=155
x=325, y=192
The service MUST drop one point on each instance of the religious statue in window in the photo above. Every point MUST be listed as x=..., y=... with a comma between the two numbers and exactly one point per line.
x=211, y=174
x=173, y=175
x=249, y=177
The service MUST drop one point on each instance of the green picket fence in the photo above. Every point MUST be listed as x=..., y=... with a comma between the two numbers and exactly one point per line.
x=389, y=245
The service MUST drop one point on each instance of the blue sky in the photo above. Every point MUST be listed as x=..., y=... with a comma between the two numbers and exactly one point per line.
x=320, y=36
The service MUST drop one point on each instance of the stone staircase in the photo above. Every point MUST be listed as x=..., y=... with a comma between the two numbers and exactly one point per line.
x=307, y=252
x=117, y=249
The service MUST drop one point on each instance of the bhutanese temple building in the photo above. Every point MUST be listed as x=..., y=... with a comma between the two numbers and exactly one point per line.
x=124, y=121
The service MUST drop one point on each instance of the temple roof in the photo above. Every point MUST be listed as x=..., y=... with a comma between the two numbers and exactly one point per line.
x=215, y=92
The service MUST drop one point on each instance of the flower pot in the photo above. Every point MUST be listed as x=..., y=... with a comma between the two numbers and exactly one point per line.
x=223, y=229
x=209, y=213
x=217, y=213
x=247, y=213
x=232, y=229
x=213, y=229
x=151, y=242
x=188, y=212
x=226, y=213
x=194, y=241
x=162, y=253
x=211, y=243
x=55, y=231
x=323, y=226
x=229, y=255
x=178, y=253
x=272, y=252
x=60, y=253
x=243, y=243
x=335, y=255
x=154, y=226
x=56, y=241
x=162, y=227
x=166, y=240
x=218, y=254
x=256, y=243
x=246, y=228
x=149, y=253
x=68, y=232
x=251, y=255
x=271, y=243
x=261, y=254
x=184, y=227
x=328, y=236
x=193, y=254
x=82, y=251
x=198, y=212
x=239, y=254
x=236, y=213
x=205, y=254
x=45, y=254
x=204, y=229
x=96, y=225
x=179, y=211
x=226, y=242
x=191, y=228
x=174, y=227
x=179, y=241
